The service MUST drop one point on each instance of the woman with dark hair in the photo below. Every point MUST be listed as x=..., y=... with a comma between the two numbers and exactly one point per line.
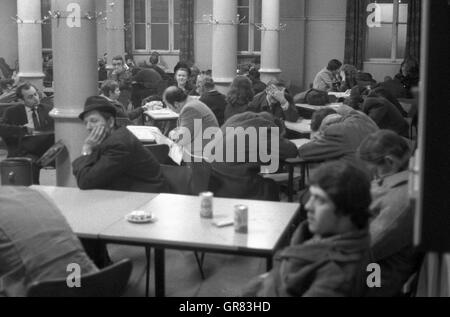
x=239, y=96
x=387, y=155
x=182, y=73
x=329, y=252
x=408, y=75
x=348, y=76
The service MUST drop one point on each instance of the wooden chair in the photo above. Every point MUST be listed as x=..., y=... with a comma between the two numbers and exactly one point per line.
x=109, y=282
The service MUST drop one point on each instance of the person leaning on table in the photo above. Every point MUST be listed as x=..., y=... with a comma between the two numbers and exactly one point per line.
x=114, y=159
x=36, y=242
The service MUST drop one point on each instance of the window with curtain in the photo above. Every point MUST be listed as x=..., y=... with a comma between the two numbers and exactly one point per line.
x=249, y=37
x=46, y=27
x=156, y=25
x=386, y=39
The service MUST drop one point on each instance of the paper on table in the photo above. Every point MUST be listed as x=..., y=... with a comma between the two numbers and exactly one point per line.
x=144, y=133
x=300, y=142
x=162, y=113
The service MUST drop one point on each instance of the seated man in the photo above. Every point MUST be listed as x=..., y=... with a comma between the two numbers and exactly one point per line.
x=255, y=140
x=211, y=97
x=36, y=243
x=328, y=253
x=385, y=115
x=124, y=77
x=391, y=227
x=339, y=137
x=111, y=91
x=276, y=100
x=195, y=117
x=327, y=78
x=114, y=158
x=21, y=121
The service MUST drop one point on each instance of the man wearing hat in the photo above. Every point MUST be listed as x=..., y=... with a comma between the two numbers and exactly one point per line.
x=113, y=158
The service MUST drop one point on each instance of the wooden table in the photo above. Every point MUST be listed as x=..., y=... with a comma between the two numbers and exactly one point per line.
x=178, y=226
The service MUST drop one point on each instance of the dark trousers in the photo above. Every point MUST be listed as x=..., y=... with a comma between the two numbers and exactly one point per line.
x=97, y=251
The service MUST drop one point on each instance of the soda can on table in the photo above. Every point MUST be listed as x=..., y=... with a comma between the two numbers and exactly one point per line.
x=206, y=205
x=241, y=218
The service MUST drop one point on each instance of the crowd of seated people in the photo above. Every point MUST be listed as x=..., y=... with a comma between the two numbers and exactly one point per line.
x=345, y=139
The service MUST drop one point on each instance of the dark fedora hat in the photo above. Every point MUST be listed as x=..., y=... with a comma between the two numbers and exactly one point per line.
x=98, y=103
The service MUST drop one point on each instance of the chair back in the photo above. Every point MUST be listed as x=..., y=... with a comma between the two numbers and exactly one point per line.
x=16, y=171
x=186, y=180
x=109, y=282
x=159, y=151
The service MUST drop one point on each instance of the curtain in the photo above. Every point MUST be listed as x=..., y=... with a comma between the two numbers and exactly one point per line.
x=128, y=28
x=355, y=33
x=413, y=29
x=187, y=31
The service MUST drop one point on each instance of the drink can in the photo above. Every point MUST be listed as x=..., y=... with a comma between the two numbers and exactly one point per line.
x=206, y=205
x=241, y=218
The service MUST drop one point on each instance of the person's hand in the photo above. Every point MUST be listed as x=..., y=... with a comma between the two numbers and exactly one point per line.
x=174, y=135
x=94, y=139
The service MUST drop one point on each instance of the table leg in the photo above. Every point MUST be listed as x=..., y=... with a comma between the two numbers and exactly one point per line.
x=159, y=272
x=290, y=182
x=269, y=263
x=148, y=251
x=303, y=176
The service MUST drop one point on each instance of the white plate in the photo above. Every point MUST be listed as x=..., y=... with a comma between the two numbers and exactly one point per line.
x=131, y=219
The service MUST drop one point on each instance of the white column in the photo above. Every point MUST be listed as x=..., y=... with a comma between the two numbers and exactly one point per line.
x=270, y=40
x=115, y=34
x=30, y=41
x=75, y=78
x=224, y=55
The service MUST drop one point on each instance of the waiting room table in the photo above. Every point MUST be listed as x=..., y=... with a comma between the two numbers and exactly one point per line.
x=162, y=115
x=302, y=126
x=179, y=226
x=89, y=212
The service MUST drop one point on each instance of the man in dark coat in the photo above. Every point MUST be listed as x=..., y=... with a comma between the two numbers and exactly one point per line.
x=28, y=129
x=275, y=100
x=211, y=97
x=385, y=115
x=114, y=159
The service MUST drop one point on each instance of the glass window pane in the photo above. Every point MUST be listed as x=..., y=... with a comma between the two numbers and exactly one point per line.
x=176, y=10
x=139, y=11
x=160, y=11
x=403, y=13
x=379, y=42
x=242, y=37
x=387, y=11
x=258, y=10
x=242, y=3
x=243, y=13
x=139, y=36
x=160, y=37
x=176, y=36
x=257, y=43
x=401, y=41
